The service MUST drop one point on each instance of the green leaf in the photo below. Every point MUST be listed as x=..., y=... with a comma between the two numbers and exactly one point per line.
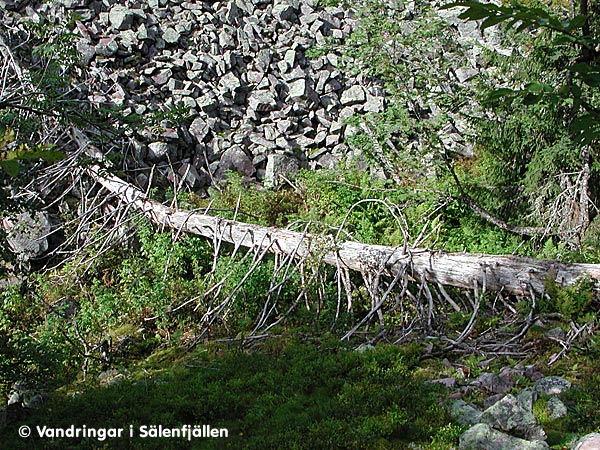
x=474, y=14
x=23, y=152
x=586, y=129
x=499, y=94
x=531, y=99
x=564, y=91
x=563, y=39
x=521, y=27
x=491, y=21
x=11, y=167
x=591, y=79
x=576, y=22
x=581, y=68
x=459, y=4
x=535, y=87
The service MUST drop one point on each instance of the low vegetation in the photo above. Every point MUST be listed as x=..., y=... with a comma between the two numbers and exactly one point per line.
x=293, y=395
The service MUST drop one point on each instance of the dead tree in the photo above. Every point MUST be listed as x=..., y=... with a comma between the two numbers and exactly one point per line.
x=513, y=275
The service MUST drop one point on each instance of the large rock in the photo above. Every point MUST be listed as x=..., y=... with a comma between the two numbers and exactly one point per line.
x=510, y=416
x=556, y=408
x=492, y=383
x=464, y=413
x=199, y=129
x=483, y=437
x=27, y=234
x=353, y=95
x=171, y=36
x=191, y=177
x=588, y=442
x=120, y=17
x=278, y=165
x=283, y=12
x=262, y=101
x=300, y=90
x=157, y=151
x=26, y=396
x=106, y=46
x=234, y=158
x=527, y=398
x=551, y=385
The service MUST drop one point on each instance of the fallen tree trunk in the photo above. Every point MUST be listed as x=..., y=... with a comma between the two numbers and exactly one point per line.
x=512, y=275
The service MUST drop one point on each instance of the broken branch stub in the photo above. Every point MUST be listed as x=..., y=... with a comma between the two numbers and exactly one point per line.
x=513, y=275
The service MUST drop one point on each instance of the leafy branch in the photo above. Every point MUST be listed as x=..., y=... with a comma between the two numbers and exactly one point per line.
x=9, y=159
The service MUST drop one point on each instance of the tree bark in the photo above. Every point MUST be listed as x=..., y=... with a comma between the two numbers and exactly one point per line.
x=513, y=275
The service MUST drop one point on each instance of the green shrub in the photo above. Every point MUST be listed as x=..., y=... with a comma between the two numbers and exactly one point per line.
x=573, y=302
x=300, y=397
x=34, y=348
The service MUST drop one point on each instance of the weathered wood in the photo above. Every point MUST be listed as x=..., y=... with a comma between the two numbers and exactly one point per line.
x=514, y=275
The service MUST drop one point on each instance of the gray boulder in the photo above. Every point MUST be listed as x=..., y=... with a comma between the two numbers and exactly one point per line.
x=492, y=383
x=353, y=95
x=555, y=333
x=300, y=90
x=278, y=165
x=26, y=396
x=112, y=376
x=171, y=36
x=483, y=437
x=556, y=408
x=191, y=177
x=120, y=17
x=262, y=101
x=27, y=234
x=464, y=413
x=106, y=46
x=552, y=385
x=234, y=158
x=87, y=51
x=527, y=398
x=283, y=12
x=158, y=151
x=199, y=129
x=510, y=416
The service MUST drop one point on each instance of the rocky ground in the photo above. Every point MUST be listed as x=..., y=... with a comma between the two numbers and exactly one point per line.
x=507, y=421
x=258, y=104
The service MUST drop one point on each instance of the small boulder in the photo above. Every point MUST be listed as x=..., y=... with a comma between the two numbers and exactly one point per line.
x=556, y=408
x=353, y=95
x=464, y=413
x=278, y=165
x=551, y=385
x=234, y=158
x=158, y=151
x=120, y=17
x=483, y=437
x=261, y=101
x=28, y=234
x=199, y=129
x=283, y=12
x=491, y=382
x=171, y=36
x=106, y=46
